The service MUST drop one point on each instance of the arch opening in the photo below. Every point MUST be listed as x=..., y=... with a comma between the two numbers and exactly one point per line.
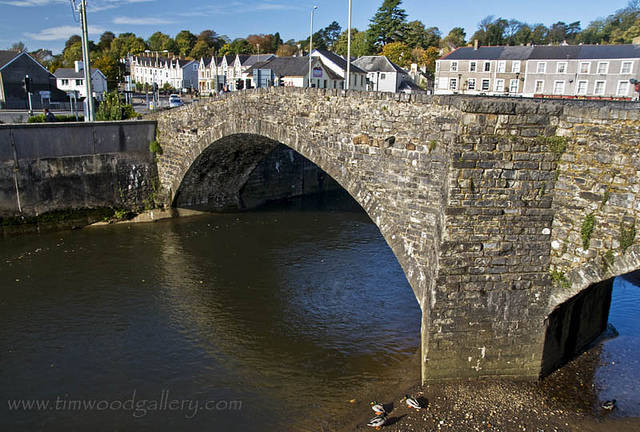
x=580, y=322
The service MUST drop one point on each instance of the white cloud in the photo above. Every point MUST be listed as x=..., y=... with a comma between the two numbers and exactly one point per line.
x=30, y=3
x=140, y=21
x=62, y=32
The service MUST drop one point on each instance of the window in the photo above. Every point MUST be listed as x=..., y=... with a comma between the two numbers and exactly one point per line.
x=603, y=67
x=473, y=66
x=515, y=67
x=65, y=82
x=487, y=66
x=437, y=66
x=499, y=87
x=582, y=87
x=79, y=82
x=383, y=76
x=623, y=88
x=600, y=88
x=453, y=84
x=513, y=86
x=471, y=84
x=585, y=68
x=539, y=87
x=502, y=66
x=454, y=66
x=558, y=88
x=485, y=85
x=626, y=67
x=542, y=67
x=562, y=67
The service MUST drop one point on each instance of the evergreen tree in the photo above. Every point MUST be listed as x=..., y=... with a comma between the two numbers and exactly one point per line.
x=388, y=24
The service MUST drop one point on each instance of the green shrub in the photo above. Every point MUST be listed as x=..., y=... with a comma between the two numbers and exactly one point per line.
x=560, y=280
x=627, y=236
x=62, y=118
x=155, y=148
x=113, y=108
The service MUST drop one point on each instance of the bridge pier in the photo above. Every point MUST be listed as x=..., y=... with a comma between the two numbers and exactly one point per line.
x=482, y=200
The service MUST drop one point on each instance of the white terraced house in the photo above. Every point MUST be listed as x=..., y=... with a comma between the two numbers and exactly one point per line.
x=179, y=73
x=578, y=71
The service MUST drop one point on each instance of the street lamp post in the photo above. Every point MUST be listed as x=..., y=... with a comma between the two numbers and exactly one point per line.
x=349, y=49
x=311, y=42
x=87, y=63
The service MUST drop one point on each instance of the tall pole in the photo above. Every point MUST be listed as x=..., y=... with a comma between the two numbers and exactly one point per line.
x=349, y=49
x=86, y=62
x=311, y=42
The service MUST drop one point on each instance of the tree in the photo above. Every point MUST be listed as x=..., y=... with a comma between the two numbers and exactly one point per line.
x=110, y=67
x=127, y=43
x=454, y=39
x=359, y=44
x=201, y=49
x=18, y=46
x=285, y=50
x=495, y=32
x=105, y=40
x=72, y=40
x=71, y=54
x=416, y=35
x=185, y=41
x=539, y=34
x=160, y=42
x=431, y=55
x=331, y=33
x=523, y=36
x=241, y=46
x=388, y=24
x=398, y=52
x=113, y=108
x=211, y=38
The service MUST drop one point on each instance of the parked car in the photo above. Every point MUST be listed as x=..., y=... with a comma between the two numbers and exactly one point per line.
x=174, y=101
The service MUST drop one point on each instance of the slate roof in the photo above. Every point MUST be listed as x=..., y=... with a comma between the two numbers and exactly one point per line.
x=561, y=52
x=291, y=66
x=252, y=60
x=71, y=73
x=7, y=56
x=378, y=64
x=340, y=61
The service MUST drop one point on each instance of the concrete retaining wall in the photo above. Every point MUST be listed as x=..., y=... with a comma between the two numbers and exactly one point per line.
x=46, y=167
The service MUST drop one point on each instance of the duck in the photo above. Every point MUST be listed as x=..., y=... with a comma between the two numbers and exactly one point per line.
x=609, y=405
x=412, y=402
x=378, y=408
x=378, y=421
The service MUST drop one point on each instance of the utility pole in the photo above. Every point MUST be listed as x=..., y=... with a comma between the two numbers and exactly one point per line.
x=86, y=62
x=349, y=49
x=311, y=43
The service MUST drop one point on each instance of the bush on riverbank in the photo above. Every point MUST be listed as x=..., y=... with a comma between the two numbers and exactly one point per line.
x=62, y=118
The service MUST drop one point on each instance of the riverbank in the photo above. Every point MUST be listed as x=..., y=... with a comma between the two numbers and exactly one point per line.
x=566, y=401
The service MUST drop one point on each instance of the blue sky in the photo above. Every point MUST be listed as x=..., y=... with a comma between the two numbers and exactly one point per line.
x=48, y=23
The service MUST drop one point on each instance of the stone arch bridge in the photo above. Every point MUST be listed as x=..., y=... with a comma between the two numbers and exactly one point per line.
x=509, y=217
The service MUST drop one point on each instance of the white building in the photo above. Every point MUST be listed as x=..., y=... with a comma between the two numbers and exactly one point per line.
x=69, y=80
x=578, y=71
x=294, y=72
x=338, y=65
x=383, y=74
x=178, y=73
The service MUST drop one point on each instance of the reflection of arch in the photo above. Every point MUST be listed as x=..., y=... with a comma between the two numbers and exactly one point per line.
x=579, y=313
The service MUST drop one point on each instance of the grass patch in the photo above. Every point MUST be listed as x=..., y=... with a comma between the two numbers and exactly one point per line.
x=627, y=236
x=432, y=145
x=558, y=145
x=560, y=279
x=587, y=230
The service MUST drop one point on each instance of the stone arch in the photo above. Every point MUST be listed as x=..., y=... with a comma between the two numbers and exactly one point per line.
x=578, y=311
x=230, y=131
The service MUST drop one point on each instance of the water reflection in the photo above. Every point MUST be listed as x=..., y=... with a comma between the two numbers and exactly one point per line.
x=617, y=377
x=290, y=310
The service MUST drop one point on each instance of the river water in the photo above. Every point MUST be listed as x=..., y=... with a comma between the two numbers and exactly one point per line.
x=291, y=311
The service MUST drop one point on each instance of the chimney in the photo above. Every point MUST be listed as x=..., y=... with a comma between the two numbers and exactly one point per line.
x=78, y=66
x=475, y=44
x=636, y=40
